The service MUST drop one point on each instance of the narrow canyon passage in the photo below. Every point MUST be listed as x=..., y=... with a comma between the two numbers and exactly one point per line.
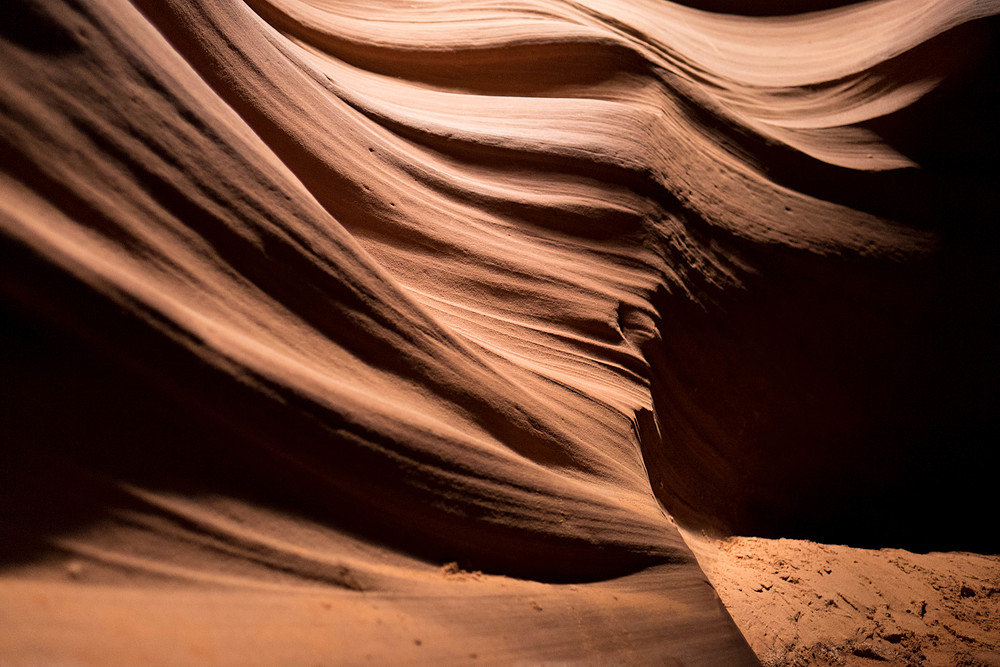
x=425, y=324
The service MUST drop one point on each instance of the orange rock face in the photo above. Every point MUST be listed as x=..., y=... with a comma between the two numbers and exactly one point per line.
x=409, y=331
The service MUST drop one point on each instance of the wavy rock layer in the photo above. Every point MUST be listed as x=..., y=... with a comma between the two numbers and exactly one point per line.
x=320, y=295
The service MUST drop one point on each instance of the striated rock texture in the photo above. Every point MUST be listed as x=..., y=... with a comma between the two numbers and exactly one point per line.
x=304, y=299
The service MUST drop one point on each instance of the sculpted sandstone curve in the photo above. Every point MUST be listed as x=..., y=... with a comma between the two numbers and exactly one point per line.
x=319, y=296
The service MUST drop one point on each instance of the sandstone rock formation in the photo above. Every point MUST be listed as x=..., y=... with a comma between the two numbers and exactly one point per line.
x=305, y=299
